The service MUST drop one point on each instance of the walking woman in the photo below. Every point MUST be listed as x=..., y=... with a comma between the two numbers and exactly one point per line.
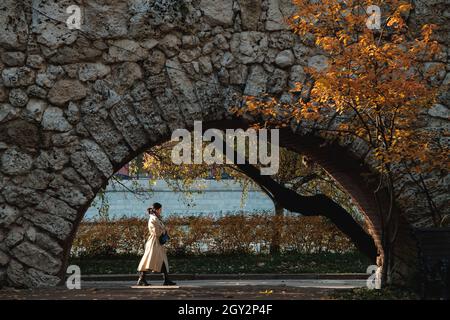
x=155, y=257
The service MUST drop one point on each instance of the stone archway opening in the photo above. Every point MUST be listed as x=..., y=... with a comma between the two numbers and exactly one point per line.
x=337, y=163
x=364, y=243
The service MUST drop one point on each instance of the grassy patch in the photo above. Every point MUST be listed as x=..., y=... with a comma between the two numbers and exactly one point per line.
x=280, y=263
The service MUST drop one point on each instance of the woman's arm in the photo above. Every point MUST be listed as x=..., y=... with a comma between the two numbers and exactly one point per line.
x=156, y=227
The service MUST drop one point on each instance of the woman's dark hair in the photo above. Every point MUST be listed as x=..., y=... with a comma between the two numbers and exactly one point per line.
x=157, y=205
x=154, y=207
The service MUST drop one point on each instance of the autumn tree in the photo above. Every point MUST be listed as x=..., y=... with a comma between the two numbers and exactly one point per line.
x=373, y=88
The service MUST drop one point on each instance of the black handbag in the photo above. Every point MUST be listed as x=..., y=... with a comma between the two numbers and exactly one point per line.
x=164, y=238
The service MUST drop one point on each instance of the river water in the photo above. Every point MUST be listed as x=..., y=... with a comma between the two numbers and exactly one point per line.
x=206, y=197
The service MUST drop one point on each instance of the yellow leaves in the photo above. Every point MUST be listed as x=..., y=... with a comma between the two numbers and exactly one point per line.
x=378, y=152
x=297, y=87
x=252, y=105
x=266, y=292
x=398, y=38
x=395, y=21
x=427, y=30
x=344, y=37
x=322, y=84
x=404, y=7
x=329, y=44
x=344, y=127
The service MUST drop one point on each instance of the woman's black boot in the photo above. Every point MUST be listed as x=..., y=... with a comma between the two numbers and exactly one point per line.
x=142, y=281
x=167, y=281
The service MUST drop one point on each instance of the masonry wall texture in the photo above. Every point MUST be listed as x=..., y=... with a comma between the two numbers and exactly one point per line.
x=77, y=105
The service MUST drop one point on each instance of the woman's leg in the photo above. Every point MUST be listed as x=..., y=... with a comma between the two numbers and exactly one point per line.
x=167, y=281
x=142, y=281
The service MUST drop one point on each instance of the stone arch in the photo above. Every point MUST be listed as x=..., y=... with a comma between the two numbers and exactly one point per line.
x=77, y=105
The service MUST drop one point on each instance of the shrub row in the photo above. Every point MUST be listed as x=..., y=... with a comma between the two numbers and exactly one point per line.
x=213, y=235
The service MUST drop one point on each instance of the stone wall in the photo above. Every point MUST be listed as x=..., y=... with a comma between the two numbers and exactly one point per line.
x=77, y=105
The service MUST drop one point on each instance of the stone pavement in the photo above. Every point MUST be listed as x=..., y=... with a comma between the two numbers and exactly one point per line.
x=193, y=289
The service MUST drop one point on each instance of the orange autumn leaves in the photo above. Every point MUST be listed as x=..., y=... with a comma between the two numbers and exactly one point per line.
x=374, y=86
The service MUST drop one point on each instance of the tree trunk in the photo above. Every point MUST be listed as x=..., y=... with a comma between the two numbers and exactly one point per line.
x=276, y=229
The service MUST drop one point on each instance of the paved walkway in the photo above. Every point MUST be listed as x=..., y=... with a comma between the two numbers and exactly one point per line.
x=324, y=284
x=193, y=289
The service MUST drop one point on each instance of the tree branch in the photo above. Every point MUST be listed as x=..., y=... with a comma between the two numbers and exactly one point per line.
x=317, y=205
